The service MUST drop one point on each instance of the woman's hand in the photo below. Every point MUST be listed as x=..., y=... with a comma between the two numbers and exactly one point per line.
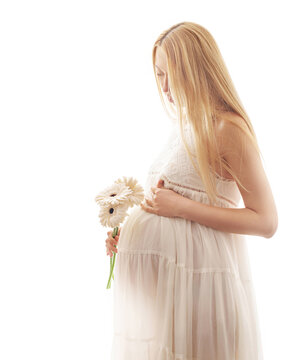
x=111, y=242
x=165, y=202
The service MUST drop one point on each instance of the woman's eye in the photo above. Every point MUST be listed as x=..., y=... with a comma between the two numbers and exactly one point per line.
x=159, y=74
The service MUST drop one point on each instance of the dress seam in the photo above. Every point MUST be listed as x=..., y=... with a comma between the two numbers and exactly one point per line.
x=159, y=346
x=194, y=189
x=181, y=265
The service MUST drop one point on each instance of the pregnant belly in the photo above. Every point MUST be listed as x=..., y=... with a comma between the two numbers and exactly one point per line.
x=187, y=243
x=146, y=232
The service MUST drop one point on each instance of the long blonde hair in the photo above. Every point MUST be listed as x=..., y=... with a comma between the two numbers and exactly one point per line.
x=200, y=85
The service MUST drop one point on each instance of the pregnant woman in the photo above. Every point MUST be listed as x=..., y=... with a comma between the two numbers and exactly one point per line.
x=183, y=287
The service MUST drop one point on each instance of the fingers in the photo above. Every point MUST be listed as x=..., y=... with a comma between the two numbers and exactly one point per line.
x=113, y=240
x=110, y=244
x=110, y=248
x=149, y=202
x=111, y=232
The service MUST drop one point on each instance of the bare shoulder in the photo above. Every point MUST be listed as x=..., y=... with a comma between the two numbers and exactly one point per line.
x=228, y=132
x=230, y=138
x=235, y=146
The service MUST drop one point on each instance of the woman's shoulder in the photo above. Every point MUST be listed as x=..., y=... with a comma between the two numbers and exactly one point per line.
x=227, y=120
x=227, y=126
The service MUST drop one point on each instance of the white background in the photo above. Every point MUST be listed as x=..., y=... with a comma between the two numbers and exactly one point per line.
x=80, y=108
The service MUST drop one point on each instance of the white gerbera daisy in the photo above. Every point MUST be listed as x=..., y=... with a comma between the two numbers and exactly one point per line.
x=113, y=215
x=137, y=194
x=113, y=195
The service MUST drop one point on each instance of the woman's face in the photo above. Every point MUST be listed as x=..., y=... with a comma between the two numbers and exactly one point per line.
x=161, y=69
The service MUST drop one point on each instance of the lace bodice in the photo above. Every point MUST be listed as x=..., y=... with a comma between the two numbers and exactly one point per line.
x=174, y=166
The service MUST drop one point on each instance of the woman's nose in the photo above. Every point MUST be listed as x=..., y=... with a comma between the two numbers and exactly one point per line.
x=165, y=84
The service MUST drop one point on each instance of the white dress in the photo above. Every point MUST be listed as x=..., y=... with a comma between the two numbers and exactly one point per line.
x=182, y=290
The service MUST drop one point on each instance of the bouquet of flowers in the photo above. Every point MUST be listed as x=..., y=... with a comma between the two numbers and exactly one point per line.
x=114, y=202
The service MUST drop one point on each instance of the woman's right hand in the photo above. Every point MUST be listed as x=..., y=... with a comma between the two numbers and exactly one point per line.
x=110, y=242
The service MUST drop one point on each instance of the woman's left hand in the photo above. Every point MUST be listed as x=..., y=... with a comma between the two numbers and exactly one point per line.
x=165, y=202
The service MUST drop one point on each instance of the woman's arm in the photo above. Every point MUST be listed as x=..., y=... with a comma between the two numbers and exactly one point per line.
x=259, y=217
x=233, y=220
